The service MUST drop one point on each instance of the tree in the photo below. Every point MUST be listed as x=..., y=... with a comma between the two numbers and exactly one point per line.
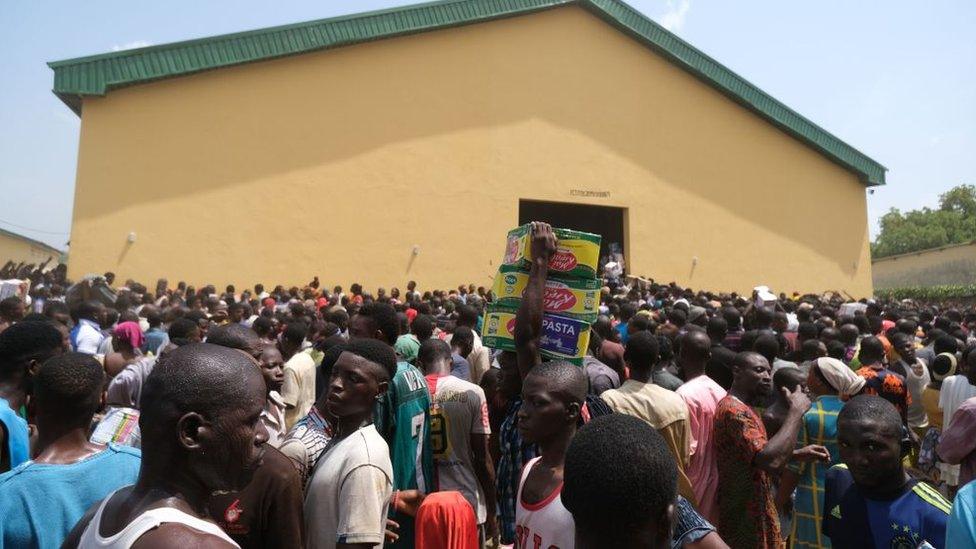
x=954, y=222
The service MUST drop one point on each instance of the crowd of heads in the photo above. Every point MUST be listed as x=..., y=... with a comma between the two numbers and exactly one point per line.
x=211, y=394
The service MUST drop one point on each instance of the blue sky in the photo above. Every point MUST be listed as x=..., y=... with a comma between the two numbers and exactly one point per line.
x=894, y=79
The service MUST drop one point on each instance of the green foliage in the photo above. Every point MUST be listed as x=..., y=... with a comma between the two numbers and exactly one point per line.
x=928, y=293
x=952, y=223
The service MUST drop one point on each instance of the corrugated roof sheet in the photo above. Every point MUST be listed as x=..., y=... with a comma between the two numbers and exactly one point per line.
x=97, y=74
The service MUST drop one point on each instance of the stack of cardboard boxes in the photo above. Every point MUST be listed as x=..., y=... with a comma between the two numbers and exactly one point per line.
x=571, y=301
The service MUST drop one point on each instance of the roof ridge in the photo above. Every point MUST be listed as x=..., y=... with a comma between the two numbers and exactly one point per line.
x=97, y=74
x=264, y=31
x=30, y=240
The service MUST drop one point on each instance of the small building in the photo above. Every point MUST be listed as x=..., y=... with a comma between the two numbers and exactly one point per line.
x=403, y=144
x=21, y=249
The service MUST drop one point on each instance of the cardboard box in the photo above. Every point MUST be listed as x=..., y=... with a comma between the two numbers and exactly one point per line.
x=562, y=337
x=577, y=298
x=577, y=253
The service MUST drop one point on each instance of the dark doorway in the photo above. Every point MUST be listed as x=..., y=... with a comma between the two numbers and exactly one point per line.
x=605, y=221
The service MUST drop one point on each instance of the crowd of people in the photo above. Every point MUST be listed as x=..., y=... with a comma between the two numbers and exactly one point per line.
x=316, y=417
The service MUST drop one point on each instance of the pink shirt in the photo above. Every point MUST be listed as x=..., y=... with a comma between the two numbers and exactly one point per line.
x=957, y=444
x=702, y=394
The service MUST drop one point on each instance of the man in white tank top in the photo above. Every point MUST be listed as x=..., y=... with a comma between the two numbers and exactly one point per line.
x=201, y=429
x=553, y=394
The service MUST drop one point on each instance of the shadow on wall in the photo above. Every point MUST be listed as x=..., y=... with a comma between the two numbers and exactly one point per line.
x=411, y=88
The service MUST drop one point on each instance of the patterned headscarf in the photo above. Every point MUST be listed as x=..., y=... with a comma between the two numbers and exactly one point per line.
x=129, y=331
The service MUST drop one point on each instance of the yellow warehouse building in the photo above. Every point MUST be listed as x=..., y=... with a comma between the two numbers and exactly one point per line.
x=403, y=144
x=21, y=249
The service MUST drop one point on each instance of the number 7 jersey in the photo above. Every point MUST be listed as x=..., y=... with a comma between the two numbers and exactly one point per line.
x=402, y=416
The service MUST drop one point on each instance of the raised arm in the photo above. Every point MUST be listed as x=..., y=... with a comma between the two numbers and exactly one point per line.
x=780, y=449
x=528, y=319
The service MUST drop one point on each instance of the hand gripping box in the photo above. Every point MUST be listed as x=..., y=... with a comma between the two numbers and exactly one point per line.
x=562, y=337
x=577, y=298
x=577, y=253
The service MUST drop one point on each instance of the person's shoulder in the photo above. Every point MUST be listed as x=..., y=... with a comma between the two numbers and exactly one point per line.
x=12, y=477
x=369, y=448
x=278, y=465
x=665, y=395
x=122, y=452
x=934, y=502
x=301, y=360
x=409, y=379
x=968, y=405
x=725, y=403
x=838, y=473
x=175, y=534
x=966, y=495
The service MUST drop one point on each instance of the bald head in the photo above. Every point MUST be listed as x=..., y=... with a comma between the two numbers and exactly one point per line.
x=200, y=377
x=236, y=336
x=694, y=352
x=200, y=417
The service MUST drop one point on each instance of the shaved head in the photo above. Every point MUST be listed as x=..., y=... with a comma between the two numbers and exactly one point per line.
x=235, y=336
x=199, y=377
x=566, y=380
x=873, y=409
x=200, y=416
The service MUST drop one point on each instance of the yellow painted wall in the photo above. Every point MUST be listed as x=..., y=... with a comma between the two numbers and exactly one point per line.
x=946, y=265
x=20, y=250
x=337, y=163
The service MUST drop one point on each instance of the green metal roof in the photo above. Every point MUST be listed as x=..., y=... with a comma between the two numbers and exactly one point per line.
x=97, y=74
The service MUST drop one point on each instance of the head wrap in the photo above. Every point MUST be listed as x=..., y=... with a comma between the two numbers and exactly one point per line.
x=130, y=332
x=840, y=377
x=943, y=366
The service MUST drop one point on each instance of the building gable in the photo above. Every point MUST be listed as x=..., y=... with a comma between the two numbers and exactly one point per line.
x=96, y=75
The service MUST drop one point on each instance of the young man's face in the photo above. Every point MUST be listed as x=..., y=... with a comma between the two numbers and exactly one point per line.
x=871, y=452
x=354, y=386
x=272, y=365
x=542, y=414
x=235, y=315
x=906, y=349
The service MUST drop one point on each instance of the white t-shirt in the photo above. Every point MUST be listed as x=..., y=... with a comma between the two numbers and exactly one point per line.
x=349, y=493
x=955, y=390
x=917, y=417
x=298, y=388
x=545, y=524
x=458, y=409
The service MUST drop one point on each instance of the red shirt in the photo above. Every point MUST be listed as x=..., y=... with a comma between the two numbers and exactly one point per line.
x=445, y=520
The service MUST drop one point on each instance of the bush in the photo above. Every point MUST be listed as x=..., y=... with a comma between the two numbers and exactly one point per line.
x=931, y=293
